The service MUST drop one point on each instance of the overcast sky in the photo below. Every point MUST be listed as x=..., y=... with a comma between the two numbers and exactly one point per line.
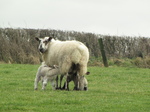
x=113, y=17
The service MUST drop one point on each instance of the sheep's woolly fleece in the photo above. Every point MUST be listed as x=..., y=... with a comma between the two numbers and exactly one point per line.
x=66, y=53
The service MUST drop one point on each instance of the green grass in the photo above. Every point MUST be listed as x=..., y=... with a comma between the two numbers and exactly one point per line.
x=113, y=89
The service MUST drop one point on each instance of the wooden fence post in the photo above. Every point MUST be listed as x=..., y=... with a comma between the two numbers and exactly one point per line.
x=100, y=40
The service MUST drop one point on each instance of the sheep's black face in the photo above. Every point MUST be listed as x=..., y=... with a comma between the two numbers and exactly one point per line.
x=43, y=46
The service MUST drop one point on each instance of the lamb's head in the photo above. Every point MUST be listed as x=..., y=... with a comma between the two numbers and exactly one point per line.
x=83, y=83
x=43, y=46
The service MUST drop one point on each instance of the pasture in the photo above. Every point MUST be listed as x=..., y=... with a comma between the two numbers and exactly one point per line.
x=112, y=89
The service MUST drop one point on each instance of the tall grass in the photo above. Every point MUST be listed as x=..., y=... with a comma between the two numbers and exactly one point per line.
x=112, y=89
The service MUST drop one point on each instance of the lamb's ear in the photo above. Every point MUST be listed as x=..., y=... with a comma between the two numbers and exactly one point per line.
x=87, y=73
x=50, y=38
x=55, y=66
x=37, y=38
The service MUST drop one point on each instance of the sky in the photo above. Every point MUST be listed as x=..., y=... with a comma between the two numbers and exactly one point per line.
x=106, y=17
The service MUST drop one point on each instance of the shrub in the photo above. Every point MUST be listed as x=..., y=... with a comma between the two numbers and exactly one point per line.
x=142, y=62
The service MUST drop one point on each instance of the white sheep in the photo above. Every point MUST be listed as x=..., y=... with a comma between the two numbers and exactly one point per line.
x=65, y=54
x=48, y=74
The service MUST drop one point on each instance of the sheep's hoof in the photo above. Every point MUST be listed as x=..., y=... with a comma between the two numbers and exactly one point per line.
x=76, y=89
x=35, y=88
x=57, y=88
x=63, y=88
x=67, y=89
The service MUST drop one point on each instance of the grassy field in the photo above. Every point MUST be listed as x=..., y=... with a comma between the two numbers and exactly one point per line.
x=113, y=89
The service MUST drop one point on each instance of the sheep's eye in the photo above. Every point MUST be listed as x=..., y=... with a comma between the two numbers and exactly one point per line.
x=39, y=41
x=45, y=42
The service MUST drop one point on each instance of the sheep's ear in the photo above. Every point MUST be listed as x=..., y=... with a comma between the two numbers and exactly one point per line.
x=50, y=38
x=87, y=73
x=37, y=38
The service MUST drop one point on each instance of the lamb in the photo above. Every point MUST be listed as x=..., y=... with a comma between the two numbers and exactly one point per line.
x=74, y=78
x=65, y=54
x=48, y=74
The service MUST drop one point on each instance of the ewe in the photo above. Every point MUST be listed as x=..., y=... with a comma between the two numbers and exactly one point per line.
x=48, y=74
x=65, y=54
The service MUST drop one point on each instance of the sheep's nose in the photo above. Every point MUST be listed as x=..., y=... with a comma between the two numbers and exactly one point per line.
x=41, y=50
x=85, y=88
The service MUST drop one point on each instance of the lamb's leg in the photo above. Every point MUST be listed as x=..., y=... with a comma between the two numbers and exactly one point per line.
x=53, y=83
x=44, y=83
x=37, y=79
x=66, y=86
x=67, y=82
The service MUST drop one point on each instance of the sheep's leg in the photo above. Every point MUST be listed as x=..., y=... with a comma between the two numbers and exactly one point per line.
x=37, y=79
x=81, y=83
x=56, y=83
x=44, y=83
x=63, y=86
x=61, y=78
x=76, y=82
